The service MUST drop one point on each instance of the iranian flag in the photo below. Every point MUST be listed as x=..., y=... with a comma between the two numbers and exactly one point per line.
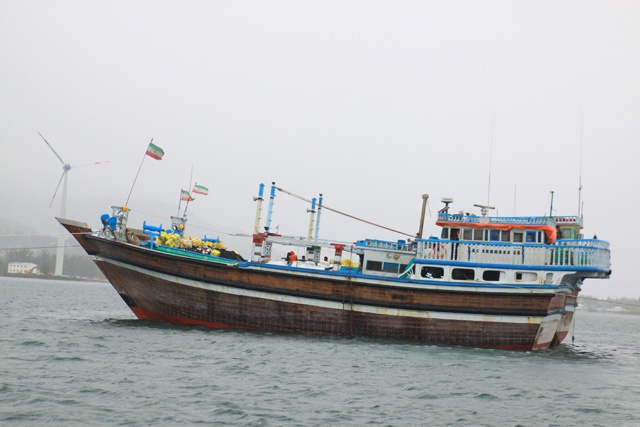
x=200, y=189
x=184, y=195
x=155, y=151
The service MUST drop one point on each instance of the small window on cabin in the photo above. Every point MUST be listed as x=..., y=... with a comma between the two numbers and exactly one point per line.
x=467, y=234
x=432, y=272
x=462, y=274
x=390, y=267
x=491, y=275
x=477, y=234
x=549, y=279
x=374, y=265
x=494, y=235
x=531, y=236
x=445, y=233
x=517, y=237
x=526, y=276
x=505, y=236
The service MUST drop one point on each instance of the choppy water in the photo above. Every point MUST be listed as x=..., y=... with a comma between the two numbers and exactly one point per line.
x=71, y=354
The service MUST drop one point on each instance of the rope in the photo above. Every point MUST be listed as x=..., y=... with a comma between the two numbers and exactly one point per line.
x=39, y=247
x=345, y=214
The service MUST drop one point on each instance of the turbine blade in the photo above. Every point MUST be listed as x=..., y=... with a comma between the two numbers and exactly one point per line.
x=91, y=164
x=54, y=151
x=56, y=192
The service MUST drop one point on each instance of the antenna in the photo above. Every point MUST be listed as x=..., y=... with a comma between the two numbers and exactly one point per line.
x=490, y=159
x=484, y=209
x=580, y=173
x=446, y=201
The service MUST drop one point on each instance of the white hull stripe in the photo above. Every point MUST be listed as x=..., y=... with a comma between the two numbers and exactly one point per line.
x=523, y=288
x=333, y=304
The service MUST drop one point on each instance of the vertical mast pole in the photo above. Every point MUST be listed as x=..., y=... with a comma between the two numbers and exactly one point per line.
x=425, y=197
x=259, y=199
x=272, y=196
x=580, y=176
x=312, y=212
x=318, y=217
x=490, y=162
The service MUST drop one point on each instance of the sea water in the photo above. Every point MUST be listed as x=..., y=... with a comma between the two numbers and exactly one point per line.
x=72, y=354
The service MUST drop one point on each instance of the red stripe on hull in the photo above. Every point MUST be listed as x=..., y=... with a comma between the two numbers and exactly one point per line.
x=143, y=314
x=543, y=346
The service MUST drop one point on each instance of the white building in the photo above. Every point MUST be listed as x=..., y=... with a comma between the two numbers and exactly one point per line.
x=22, y=267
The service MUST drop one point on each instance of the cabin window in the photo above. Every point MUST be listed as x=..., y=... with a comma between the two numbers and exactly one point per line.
x=390, y=267
x=432, y=272
x=477, y=234
x=491, y=275
x=517, y=237
x=505, y=236
x=494, y=235
x=374, y=265
x=445, y=233
x=463, y=274
x=532, y=237
x=549, y=279
x=467, y=234
x=526, y=276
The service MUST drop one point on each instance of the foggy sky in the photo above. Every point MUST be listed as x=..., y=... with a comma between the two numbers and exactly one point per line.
x=371, y=103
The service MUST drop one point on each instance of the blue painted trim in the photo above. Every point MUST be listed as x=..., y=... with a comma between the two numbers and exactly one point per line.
x=466, y=264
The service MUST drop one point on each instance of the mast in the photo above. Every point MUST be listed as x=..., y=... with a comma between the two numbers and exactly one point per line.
x=490, y=162
x=318, y=217
x=312, y=213
x=272, y=197
x=580, y=172
x=425, y=197
x=259, y=199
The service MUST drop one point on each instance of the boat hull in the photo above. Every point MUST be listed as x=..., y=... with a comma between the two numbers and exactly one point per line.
x=182, y=290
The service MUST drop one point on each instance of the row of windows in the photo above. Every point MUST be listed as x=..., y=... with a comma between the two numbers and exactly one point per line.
x=387, y=267
x=488, y=235
x=487, y=275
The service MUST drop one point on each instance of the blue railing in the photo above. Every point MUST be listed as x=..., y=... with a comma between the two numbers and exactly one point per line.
x=400, y=245
x=527, y=220
x=582, y=253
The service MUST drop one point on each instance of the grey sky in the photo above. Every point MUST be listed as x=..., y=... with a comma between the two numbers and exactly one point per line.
x=371, y=103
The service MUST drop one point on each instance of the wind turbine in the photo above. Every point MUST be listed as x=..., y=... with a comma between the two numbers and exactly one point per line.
x=66, y=167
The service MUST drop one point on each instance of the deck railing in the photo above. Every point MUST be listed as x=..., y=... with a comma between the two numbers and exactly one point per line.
x=531, y=220
x=583, y=253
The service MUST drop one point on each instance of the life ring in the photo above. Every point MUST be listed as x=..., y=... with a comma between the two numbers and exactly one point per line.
x=439, y=251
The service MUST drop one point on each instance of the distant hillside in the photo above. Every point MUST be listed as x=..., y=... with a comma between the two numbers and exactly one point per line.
x=15, y=235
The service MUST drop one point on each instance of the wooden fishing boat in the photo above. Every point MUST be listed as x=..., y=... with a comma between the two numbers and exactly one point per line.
x=486, y=281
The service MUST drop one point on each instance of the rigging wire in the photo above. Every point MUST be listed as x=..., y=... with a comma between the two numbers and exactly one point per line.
x=344, y=213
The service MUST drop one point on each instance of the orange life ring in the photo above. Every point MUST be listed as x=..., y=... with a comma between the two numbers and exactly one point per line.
x=439, y=251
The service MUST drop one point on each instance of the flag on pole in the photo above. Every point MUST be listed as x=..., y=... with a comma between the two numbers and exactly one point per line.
x=200, y=189
x=155, y=151
x=185, y=196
